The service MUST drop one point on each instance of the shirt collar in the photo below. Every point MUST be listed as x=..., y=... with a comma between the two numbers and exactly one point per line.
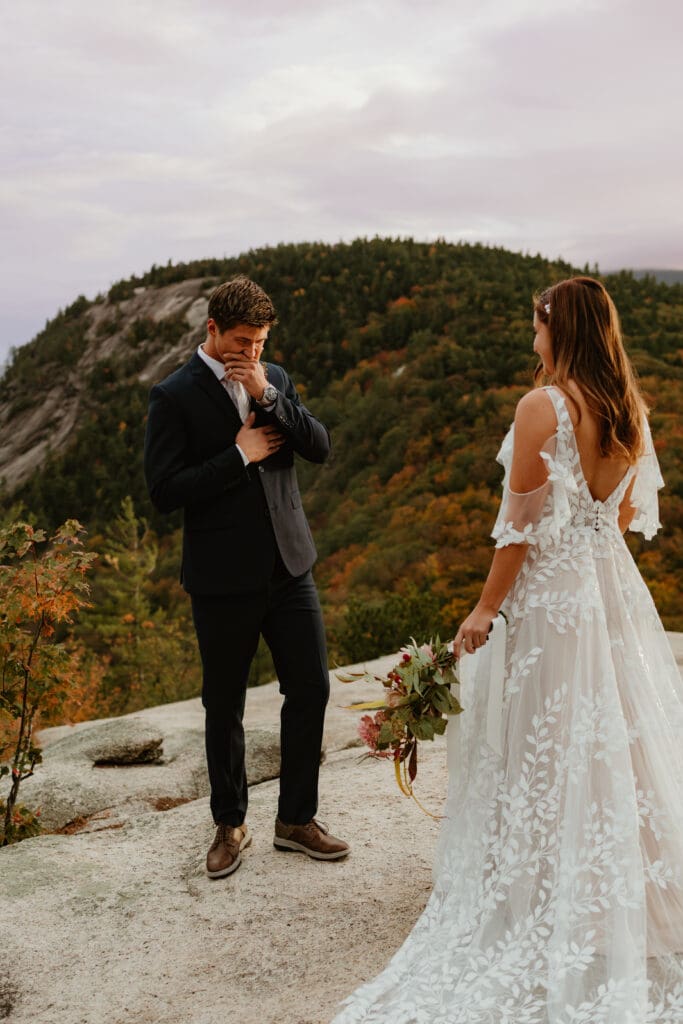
x=215, y=365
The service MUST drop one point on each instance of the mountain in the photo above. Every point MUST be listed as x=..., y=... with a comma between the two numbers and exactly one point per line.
x=414, y=355
x=664, y=276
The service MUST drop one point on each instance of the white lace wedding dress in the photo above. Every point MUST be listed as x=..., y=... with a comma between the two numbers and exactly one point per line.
x=558, y=894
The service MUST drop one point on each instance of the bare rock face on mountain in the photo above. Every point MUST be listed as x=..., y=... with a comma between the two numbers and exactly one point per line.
x=43, y=420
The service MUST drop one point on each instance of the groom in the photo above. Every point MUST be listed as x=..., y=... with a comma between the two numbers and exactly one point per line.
x=222, y=432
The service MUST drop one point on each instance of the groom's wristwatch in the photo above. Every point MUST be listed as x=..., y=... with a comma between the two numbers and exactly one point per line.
x=269, y=395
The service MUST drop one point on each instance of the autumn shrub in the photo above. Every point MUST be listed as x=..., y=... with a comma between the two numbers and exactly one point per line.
x=42, y=584
x=374, y=627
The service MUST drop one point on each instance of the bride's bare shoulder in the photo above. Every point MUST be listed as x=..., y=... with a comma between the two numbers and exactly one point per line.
x=535, y=414
x=535, y=424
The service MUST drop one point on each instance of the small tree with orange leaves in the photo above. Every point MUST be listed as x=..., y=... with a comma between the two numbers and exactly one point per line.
x=42, y=583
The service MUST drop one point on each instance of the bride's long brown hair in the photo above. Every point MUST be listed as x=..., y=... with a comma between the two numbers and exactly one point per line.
x=588, y=348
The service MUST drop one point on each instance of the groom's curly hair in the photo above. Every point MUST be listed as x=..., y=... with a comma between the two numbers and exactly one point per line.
x=241, y=301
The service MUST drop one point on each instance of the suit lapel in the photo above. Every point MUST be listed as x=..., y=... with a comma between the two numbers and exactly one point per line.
x=211, y=386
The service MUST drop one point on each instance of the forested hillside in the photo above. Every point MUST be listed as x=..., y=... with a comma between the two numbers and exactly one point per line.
x=413, y=354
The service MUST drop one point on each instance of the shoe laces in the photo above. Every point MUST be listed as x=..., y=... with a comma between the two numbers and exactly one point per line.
x=320, y=825
x=224, y=833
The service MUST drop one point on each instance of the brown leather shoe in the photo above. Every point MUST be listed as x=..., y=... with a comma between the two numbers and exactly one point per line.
x=225, y=852
x=313, y=839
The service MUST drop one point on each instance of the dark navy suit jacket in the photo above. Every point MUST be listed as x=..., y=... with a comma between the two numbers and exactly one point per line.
x=234, y=515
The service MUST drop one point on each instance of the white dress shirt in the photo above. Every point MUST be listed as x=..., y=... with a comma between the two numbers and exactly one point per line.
x=238, y=393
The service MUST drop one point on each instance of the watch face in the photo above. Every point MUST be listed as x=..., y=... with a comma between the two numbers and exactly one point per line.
x=270, y=394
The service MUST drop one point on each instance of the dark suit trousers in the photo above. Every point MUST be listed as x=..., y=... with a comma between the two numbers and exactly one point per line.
x=287, y=612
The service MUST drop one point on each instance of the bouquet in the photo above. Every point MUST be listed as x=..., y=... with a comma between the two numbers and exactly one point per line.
x=416, y=701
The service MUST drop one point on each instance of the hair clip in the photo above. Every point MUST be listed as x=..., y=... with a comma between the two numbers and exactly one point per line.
x=547, y=308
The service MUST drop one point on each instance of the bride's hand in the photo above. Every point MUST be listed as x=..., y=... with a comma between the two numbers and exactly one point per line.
x=474, y=631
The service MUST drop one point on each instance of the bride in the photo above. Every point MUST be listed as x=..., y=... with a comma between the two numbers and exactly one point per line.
x=558, y=896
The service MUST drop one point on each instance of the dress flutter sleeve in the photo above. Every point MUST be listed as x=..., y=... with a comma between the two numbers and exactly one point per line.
x=533, y=517
x=644, y=497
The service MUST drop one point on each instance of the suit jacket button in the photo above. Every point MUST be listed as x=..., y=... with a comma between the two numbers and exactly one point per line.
x=261, y=469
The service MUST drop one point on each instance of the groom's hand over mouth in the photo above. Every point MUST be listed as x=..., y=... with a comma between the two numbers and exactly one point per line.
x=249, y=372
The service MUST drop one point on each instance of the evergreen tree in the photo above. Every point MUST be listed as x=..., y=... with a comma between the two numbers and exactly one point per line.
x=149, y=655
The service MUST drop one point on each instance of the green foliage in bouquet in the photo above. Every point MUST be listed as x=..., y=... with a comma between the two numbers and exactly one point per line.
x=417, y=700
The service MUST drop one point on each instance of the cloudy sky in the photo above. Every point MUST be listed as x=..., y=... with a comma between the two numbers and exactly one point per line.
x=146, y=130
